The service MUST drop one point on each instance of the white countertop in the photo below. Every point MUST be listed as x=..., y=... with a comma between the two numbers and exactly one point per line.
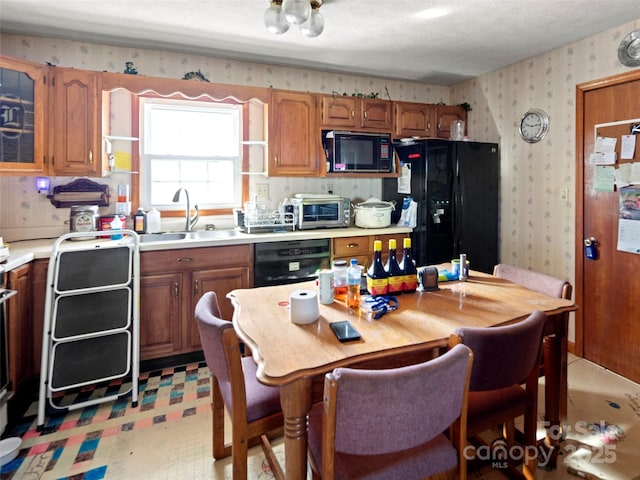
x=22, y=252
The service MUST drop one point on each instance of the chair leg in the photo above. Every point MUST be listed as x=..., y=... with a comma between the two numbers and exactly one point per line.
x=217, y=418
x=239, y=449
x=276, y=469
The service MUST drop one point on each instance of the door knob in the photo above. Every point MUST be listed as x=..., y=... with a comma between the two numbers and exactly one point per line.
x=591, y=248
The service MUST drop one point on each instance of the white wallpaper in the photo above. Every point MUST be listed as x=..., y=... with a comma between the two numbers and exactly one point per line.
x=537, y=227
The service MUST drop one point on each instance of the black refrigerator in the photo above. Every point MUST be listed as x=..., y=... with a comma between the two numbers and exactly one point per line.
x=456, y=187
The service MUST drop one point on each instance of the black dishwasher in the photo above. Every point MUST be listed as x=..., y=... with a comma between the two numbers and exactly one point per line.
x=277, y=263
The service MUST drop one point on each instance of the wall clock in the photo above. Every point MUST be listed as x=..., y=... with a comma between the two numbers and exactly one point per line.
x=534, y=125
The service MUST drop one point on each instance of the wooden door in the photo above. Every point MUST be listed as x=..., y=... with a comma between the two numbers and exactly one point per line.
x=607, y=288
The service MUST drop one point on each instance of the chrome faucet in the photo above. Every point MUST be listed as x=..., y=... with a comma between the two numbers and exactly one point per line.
x=189, y=222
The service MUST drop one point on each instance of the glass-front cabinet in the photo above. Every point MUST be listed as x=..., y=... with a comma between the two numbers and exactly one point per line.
x=22, y=112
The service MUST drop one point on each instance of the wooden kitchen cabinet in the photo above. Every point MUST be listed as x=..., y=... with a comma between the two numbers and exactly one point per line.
x=172, y=282
x=445, y=114
x=75, y=132
x=23, y=97
x=346, y=248
x=294, y=140
x=343, y=112
x=39, y=269
x=413, y=119
x=20, y=329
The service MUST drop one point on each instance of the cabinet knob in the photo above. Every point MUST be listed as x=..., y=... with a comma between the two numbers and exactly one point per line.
x=185, y=259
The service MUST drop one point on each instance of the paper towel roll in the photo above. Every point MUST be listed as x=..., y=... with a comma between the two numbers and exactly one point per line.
x=303, y=306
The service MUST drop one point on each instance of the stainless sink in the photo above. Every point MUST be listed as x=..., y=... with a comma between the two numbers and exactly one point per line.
x=162, y=237
x=195, y=235
x=211, y=234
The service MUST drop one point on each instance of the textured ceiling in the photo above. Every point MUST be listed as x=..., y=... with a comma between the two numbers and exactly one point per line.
x=380, y=38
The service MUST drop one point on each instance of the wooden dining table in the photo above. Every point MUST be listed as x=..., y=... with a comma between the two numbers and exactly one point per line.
x=295, y=357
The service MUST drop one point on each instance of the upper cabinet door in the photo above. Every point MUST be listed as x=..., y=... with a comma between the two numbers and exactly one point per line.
x=414, y=119
x=294, y=140
x=75, y=116
x=22, y=112
x=377, y=114
x=445, y=114
x=340, y=112
x=359, y=113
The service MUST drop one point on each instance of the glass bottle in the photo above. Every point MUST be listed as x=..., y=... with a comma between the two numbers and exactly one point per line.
x=408, y=267
x=377, y=277
x=354, y=275
x=393, y=270
x=340, y=279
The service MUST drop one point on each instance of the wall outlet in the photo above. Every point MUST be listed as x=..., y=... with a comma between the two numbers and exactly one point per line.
x=262, y=190
x=564, y=194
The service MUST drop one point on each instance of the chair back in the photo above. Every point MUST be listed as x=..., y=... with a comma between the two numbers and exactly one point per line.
x=505, y=355
x=382, y=411
x=539, y=282
x=212, y=330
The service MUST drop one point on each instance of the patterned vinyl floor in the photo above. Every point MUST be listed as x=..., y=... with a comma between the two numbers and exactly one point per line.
x=168, y=435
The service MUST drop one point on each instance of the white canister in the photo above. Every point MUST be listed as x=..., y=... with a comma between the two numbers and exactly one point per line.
x=303, y=307
x=326, y=286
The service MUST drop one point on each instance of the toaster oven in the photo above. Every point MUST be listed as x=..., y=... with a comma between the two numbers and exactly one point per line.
x=321, y=211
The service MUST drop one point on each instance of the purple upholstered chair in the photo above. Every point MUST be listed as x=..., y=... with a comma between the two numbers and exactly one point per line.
x=539, y=282
x=503, y=358
x=254, y=408
x=389, y=424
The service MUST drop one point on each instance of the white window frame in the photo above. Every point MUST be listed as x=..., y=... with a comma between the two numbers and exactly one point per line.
x=208, y=163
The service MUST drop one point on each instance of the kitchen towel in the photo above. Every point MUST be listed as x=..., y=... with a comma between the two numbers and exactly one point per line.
x=303, y=306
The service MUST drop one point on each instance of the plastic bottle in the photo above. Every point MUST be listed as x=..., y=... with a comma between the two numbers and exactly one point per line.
x=140, y=221
x=393, y=270
x=340, y=279
x=354, y=275
x=408, y=267
x=377, y=278
x=287, y=211
x=153, y=221
x=116, y=224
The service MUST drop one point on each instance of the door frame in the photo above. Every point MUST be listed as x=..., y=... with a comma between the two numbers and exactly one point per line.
x=581, y=90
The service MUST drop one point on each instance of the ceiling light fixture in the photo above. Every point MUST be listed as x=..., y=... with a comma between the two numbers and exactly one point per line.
x=281, y=14
x=629, y=49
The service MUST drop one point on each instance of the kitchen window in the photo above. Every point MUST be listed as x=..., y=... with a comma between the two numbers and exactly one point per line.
x=195, y=145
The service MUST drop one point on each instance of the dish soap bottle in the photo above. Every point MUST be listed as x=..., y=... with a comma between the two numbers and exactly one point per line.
x=116, y=224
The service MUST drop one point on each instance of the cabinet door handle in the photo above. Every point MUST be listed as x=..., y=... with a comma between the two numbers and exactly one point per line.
x=196, y=288
x=428, y=126
x=275, y=159
x=365, y=115
x=353, y=245
x=185, y=259
x=353, y=114
x=176, y=290
x=90, y=156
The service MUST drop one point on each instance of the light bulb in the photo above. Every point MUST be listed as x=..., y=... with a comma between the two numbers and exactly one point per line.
x=296, y=11
x=314, y=24
x=274, y=19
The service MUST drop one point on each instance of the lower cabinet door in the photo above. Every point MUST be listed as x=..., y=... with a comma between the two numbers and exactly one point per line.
x=221, y=281
x=161, y=296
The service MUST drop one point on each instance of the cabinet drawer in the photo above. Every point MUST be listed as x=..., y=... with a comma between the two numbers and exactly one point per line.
x=351, y=246
x=195, y=258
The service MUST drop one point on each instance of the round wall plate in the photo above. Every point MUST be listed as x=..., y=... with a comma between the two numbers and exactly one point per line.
x=629, y=49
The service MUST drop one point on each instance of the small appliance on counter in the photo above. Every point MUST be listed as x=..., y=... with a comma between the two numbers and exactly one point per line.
x=256, y=219
x=321, y=210
x=83, y=218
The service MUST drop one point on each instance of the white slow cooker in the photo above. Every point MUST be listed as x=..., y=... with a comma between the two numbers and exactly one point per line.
x=374, y=213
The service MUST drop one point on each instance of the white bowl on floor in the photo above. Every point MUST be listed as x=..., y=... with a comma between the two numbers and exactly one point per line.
x=9, y=448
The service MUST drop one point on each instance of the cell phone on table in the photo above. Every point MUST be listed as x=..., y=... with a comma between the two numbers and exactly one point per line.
x=344, y=331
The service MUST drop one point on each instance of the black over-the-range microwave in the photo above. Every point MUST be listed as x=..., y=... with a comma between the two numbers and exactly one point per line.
x=358, y=152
